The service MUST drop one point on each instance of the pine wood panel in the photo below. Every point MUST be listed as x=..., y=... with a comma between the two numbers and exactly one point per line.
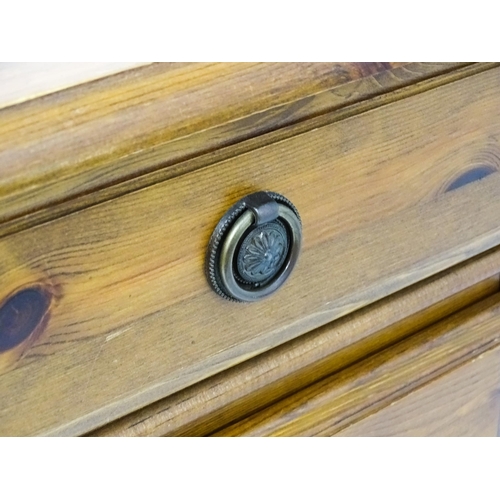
x=56, y=152
x=464, y=402
x=242, y=390
x=132, y=319
x=342, y=399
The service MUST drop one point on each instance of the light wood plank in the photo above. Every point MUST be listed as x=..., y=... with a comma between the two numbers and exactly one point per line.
x=342, y=399
x=21, y=82
x=130, y=302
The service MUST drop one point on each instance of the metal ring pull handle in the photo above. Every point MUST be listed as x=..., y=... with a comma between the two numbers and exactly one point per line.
x=254, y=247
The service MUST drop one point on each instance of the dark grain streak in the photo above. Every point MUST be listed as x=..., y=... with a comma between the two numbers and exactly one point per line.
x=33, y=355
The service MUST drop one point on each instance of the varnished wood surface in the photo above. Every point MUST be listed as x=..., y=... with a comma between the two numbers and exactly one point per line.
x=20, y=82
x=57, y=152
x=232, y=395
x=463, y=402
x=342, y=399
x=131, y=305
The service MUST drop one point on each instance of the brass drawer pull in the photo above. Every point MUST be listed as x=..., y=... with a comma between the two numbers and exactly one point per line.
x=254, y=247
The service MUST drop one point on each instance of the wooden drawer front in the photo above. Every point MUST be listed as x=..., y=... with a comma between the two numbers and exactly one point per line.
x=443, y=381
x=132, y=319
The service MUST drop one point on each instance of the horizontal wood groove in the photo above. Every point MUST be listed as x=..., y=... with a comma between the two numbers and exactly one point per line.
x=342, y=399
x=40, y=184
x=244, y=389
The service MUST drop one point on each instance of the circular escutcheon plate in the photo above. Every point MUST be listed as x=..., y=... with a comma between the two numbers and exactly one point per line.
x=263, y=252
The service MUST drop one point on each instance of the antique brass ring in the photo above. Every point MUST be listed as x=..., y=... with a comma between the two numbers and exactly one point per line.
x=254, y=247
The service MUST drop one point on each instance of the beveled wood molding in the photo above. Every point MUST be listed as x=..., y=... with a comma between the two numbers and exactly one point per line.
x=333, y=404
x=87, y=144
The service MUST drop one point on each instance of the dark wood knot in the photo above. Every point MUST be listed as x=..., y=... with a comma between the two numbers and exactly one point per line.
x=472, y=175
x=23, y=315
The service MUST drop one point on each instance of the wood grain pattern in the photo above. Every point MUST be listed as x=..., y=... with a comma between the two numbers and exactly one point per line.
x=464, y=402
x=136, y=310
x=24, y=81
x=78, y=141
x=232, y=395
x=340, y=400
